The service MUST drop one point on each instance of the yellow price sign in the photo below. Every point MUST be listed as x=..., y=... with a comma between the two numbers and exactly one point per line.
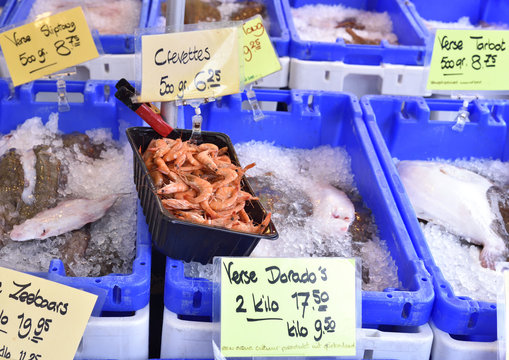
x=470, y=60
x=40, y=319
x=190, y=65
x=260, y=59
x=288, y=307
x=47, y=45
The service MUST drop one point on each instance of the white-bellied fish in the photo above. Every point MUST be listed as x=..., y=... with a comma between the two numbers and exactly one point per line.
x=456, y=199
x=66, y=216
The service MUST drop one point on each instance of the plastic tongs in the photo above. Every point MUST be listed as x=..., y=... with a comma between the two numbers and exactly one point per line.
x=148, y=112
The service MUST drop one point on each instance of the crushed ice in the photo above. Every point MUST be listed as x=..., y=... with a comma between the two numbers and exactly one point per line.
x=319, y=22
x=111, y=248
x=283, y=179
x=456, y=257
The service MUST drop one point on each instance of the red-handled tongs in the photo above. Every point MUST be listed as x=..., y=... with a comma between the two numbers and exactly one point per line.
x=148, y=112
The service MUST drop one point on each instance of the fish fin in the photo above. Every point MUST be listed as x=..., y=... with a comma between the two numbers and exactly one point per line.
x=489, y=257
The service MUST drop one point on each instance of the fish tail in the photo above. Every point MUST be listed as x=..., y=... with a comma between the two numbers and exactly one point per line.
x=489, y=257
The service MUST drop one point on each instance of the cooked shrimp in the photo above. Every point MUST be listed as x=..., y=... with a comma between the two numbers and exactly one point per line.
x=191, y=193
x=228, y=174
x=202, y=186
x=175, y=204
x=157, y=177
x=206, y=160
x=190, y=158
x=171, y=155
x=208, y=146
x=173, y=188
x=205, y=206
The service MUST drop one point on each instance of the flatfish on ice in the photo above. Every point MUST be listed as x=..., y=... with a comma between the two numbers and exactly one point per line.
x=456, y=199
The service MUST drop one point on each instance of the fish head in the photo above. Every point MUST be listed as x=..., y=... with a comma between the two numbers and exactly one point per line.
x=334, y=207
x=28, y=230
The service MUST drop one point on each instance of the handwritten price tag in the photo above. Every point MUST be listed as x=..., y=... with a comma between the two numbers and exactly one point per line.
x=47, y=45
x=288, y=307
x=40, y=319
x=190, y=65
x=470, y=60
x=260, y=59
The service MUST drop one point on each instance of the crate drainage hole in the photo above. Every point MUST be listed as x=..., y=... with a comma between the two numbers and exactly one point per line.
x=400, y=78
x=472, y=322
x=406, y=310
x=327, y=74
x=197, y=299
x=368, y=354
x=310, y=103
x=107, y=68
x=117, y=294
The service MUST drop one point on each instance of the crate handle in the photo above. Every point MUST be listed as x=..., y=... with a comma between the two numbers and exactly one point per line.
x=77, y=91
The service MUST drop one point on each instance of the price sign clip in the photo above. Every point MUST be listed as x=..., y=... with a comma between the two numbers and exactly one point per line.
x=255, y=105
x=463, y=115
x=197, y=119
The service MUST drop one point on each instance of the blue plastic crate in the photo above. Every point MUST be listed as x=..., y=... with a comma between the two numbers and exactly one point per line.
x=494, y=12
x=412, y=39
x=117, y=293
x=112, y=44
x=401, y=127
x=490, y=11
x=7, y=7
x=314, y=119
x=278, y=31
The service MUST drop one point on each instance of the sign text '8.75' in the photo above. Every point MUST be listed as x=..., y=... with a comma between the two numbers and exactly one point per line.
x=47, y=45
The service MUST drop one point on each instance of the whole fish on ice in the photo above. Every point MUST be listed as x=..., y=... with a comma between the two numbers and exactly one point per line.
x=456, y=199
x=66, y=216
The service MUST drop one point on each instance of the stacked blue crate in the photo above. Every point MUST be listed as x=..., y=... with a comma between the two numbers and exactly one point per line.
x=401, y=127
x=278, y=30
x=411, y=49
x=478, y=12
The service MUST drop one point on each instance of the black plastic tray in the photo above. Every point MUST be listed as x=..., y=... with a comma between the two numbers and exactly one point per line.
x=184, y=240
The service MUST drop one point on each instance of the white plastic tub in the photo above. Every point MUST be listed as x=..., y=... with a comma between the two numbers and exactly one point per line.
x=447, y=348
x=386, y=79
x=123, y=338
x=193, y=339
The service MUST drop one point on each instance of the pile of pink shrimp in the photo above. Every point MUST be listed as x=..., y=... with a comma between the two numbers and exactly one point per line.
x=199, y=183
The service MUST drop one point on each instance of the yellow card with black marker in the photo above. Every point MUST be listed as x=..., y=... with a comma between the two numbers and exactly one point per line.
x=260, y=59
x=47, y=45
x=190, y=65
x=470, y=60
x=40, y=319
